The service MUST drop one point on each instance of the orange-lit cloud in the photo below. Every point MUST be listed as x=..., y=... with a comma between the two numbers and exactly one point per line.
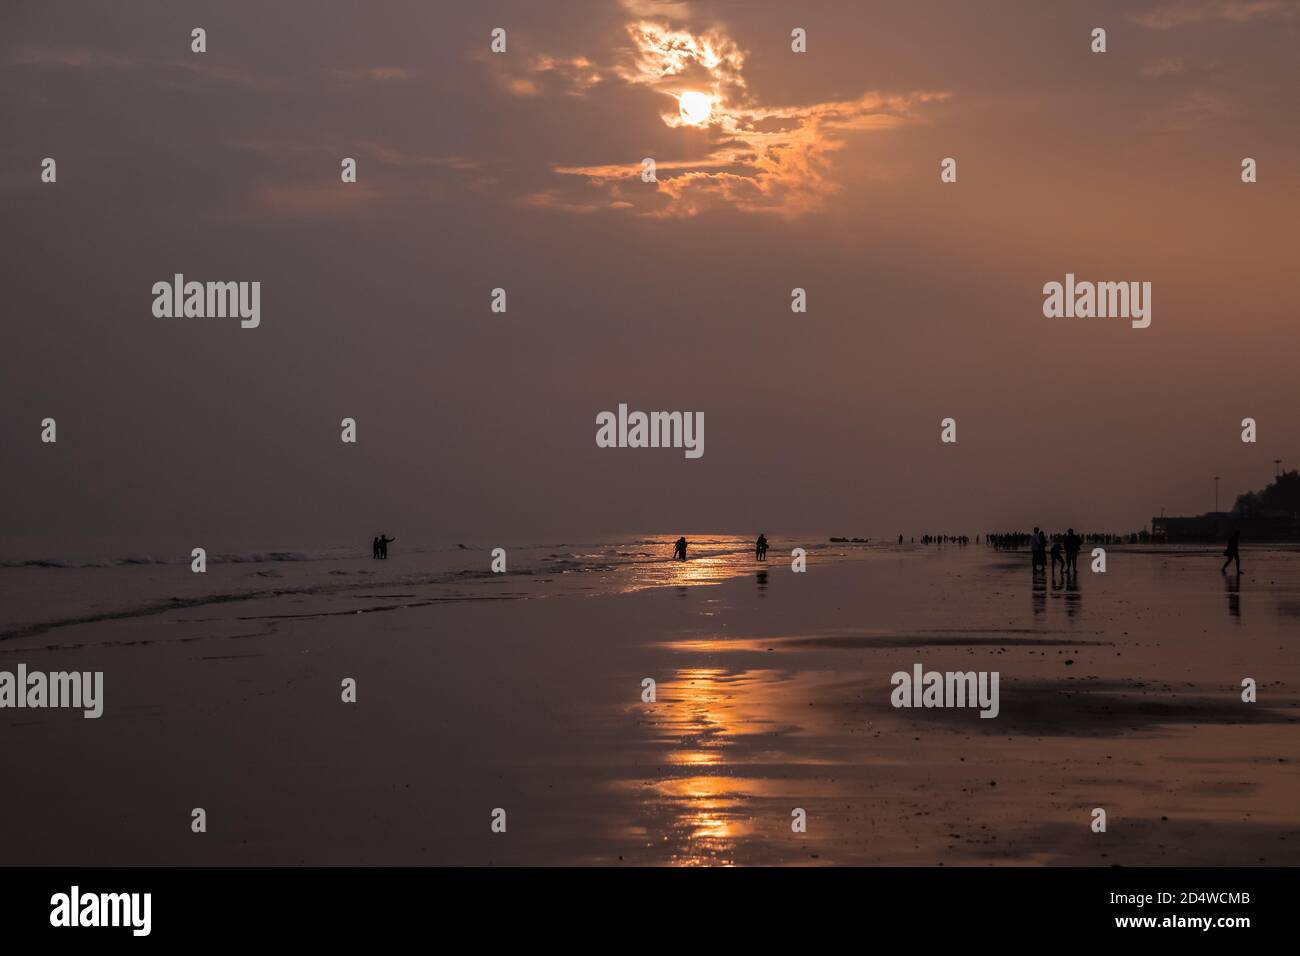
x=755, y=157
x=771, y=160
x=529, y=76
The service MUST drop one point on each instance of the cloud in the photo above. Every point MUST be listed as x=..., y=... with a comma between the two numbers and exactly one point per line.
x=755, y=157
x=773, y=160
x=658, y=53
x=372, y=74
x=301, y=179
x=71, y=58
x=1193, y=110
x=1165, y=66
x=81, y=59
x=389, y=156
x=313, y=199
x=1172, y=15
x=530, y=76
x=674, y=9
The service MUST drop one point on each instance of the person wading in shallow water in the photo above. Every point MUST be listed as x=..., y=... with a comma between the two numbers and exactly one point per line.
x=383, y=543
x=679, y=549
x=760, y=548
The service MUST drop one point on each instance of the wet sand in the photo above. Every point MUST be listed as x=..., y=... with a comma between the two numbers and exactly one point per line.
x=773, y=692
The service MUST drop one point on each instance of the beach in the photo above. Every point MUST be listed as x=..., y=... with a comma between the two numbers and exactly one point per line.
x=524, y=692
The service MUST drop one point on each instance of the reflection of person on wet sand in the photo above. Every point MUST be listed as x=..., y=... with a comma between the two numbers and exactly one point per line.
x=1232, y=553
x=760, y=548
x=1232, y=585
x=679, y=549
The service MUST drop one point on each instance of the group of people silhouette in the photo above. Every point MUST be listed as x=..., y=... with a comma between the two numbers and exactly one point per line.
x=1065, y=548
x=1065, y=551
x=379, y=547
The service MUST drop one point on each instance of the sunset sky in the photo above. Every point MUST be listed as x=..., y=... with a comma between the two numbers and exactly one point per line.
x=522, y=170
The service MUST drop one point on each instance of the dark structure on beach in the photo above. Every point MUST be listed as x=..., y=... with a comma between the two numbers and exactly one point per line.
x=1269, y=515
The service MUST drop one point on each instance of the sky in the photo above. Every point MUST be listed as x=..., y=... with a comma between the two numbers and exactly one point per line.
x=522, y=170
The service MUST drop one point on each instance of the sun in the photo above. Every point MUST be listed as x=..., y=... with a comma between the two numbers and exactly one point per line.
x=696, y=107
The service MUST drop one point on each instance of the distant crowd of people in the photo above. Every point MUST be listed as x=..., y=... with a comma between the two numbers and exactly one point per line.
x=1014, y=541
x=1064, y=549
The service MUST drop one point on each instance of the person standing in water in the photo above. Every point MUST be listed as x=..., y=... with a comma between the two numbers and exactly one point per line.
x=760, y=548
x=679, y=549
x=374, y=548
x=384, y=542
x=1232, y=553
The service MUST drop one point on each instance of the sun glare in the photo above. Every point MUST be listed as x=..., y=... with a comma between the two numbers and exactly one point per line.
x=695, y=107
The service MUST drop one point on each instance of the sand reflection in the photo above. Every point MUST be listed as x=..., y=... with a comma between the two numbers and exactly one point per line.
x=731, y=771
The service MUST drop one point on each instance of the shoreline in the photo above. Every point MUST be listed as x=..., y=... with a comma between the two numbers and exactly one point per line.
x=772, y=694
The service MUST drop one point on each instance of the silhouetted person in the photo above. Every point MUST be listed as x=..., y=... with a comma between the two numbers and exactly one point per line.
x=760, y=548
x=384, y=542
x=1037, y=544
x=1072, y=544
x=374, y=548
x=900, y=539
x=1232, y=554
x=1057, y=558
x=679, y=549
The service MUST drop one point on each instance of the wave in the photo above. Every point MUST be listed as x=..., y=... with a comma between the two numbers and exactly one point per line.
x=244, y=557
x=252, y=557
x=175, y=603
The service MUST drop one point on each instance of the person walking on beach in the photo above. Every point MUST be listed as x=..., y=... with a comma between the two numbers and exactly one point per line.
x=760, y=548
x=679, y=549
x=1072, y=544
x=384, y=542
x=1232, y=553
x=1057, y=558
